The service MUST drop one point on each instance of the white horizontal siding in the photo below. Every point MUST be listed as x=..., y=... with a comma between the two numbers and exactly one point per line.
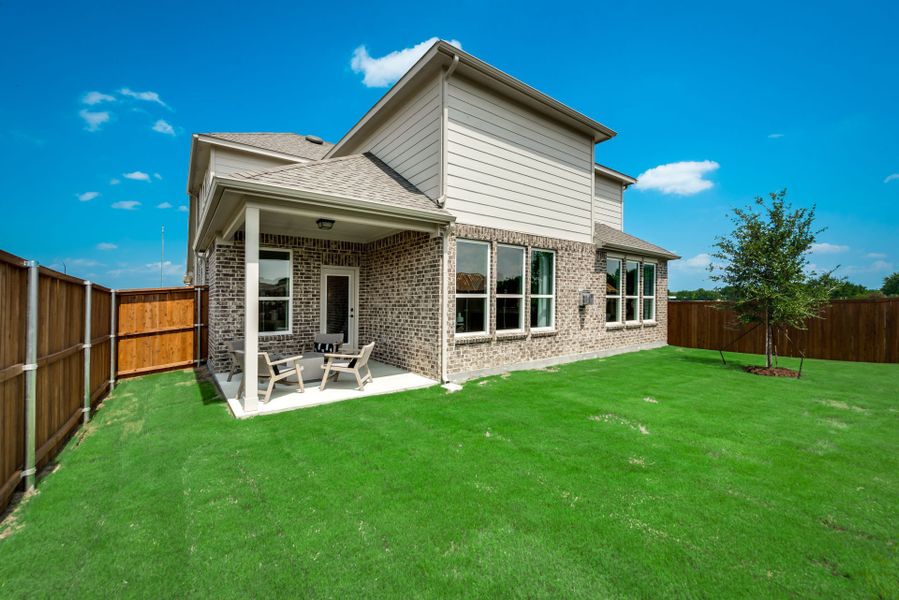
x=226, y=162
x=511, y=168
x=409, y=141
x=608, y=203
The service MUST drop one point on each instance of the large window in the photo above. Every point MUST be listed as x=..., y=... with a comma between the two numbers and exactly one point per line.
x=543, y=289
x=649, y=292
x=472, y=277
x=613, y=290
x=275, y=284
x=632, y=291
x=509, y=288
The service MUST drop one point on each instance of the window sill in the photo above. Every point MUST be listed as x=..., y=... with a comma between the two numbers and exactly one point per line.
x=269, y=334
x=469, y=338
x=543, y=332
x=517, y=334
x=614, y=326
x=632, y=324
x=650, y=324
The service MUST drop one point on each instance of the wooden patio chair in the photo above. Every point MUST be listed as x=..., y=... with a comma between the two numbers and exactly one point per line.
x=277, y=371
x=349, y=363
x=235, y=351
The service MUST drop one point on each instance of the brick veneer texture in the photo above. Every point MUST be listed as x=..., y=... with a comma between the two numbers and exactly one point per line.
x=579, y=267
x=399, y=298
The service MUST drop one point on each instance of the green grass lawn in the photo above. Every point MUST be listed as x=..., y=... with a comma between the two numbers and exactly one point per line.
x=659, y=473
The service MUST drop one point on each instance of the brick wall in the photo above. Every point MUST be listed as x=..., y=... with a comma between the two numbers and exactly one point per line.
x=399, y=303
x=577, y=330
x=399, y=296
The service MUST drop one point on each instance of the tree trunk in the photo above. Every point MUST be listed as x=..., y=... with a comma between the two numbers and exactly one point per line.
x=769, y=342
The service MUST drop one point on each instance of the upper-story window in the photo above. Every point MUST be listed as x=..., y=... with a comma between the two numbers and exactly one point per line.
x=649, y=291
x=613, y=290
x=275, y=285
x=472, y=287
x=509, y=288
x=543, y=289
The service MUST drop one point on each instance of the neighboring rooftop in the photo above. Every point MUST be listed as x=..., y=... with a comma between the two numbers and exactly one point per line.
x=302, y=146
x=609, y=238
x=356, y=177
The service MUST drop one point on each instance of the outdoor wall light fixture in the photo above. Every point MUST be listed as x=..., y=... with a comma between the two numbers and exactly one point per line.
x=325, y=224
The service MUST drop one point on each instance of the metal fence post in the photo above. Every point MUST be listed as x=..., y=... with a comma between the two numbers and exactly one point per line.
x=30, y=369
x=112, y=340
x=87, y=351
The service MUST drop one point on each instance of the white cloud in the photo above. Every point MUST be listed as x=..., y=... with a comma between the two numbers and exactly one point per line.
x=93, y=119
x=168, y=268
x=126, y=204
x=92, y=98
x=680, y=178
x=106, y=246
x=64, y=264
x=383, y=71
x=145, y=96
x=162, y=127
x=136, y=176
x=700, y=262
x=164, y=205
x=157, y=176
x=891, y=177
x=826, y=248
x=87, y=196
x=775, y=136
x=875, y=255
x=182, y=208
x=114, y=181
x=878, y=266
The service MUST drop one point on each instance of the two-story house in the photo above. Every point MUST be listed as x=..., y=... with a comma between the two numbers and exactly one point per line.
x=463, y=225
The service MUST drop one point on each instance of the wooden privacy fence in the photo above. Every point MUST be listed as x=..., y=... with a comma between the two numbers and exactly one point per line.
x=857, y=330
x=63, y=343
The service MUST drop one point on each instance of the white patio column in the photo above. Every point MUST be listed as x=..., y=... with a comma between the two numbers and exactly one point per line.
x=251, y=309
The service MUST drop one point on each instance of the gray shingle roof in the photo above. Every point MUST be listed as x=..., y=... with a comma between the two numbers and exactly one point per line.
x=357, y=177
x=609, y=238
x=287, y=143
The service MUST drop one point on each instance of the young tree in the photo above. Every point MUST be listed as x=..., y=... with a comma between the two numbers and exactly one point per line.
x=764, y=262
x=891, y=285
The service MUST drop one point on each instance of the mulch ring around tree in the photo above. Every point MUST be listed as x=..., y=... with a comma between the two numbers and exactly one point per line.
x=772, y=371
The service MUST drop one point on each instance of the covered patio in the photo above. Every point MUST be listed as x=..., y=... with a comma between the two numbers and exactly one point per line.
x=341, y=246
x=387, y=379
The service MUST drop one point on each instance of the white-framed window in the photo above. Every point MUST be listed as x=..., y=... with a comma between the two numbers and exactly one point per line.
x=614, y=290
x=472, y=287
x=543, y=289
x=632, y=291
x=509, y=288
x=649, y=291
x=275, y=290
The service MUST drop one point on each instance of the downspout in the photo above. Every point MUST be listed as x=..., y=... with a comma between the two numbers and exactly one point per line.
x=444, y=231
x=441, y=201
x=444, y=300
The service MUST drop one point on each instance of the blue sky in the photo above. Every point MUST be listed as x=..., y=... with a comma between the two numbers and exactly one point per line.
x=802, y=96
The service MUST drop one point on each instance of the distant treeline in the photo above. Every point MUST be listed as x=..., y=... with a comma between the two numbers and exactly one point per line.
x=842, y=288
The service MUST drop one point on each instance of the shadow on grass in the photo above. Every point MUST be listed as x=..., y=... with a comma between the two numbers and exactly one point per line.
x=209, y=393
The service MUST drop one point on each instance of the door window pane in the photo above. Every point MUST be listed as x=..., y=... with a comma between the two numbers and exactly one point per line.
x=337, y=305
